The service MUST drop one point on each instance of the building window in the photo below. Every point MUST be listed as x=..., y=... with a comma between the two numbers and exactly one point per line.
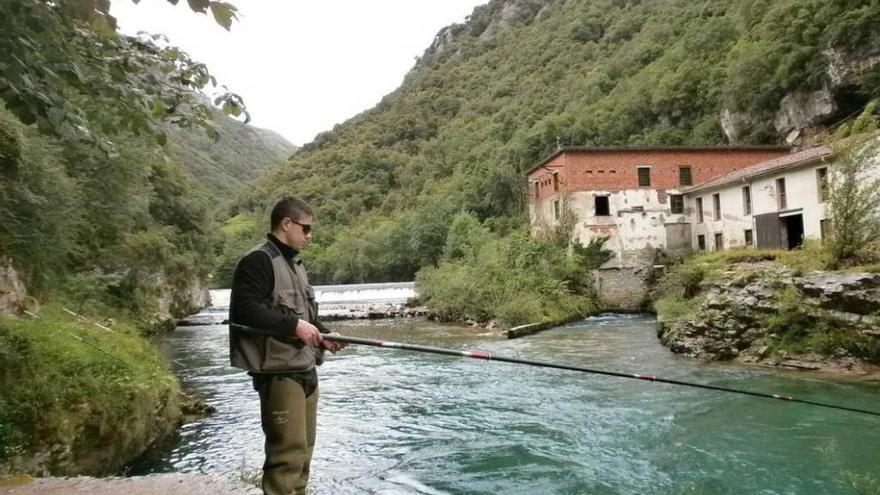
x=701, y=242
x=747, y=200
x=603, y=209
x=699, y=210
x=556, y=181
x=750, y=238
x=684, y=176
x=556, y=209
x=676, y=203
x=719, y=241
x=716, y=205
x=537, y=189
x=824, y=228
x=644, y=176
x=781, y=200
x=822, y=183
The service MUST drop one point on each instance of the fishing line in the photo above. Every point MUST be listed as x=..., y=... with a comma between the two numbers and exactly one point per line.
x=637, y=376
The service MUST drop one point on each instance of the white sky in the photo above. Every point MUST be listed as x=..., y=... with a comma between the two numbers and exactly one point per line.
x=303, y=65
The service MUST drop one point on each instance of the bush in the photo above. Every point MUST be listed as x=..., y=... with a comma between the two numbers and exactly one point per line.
x=514, y=279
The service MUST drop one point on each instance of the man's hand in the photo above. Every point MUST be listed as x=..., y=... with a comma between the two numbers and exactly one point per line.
x=308, y=333
x=332, y=345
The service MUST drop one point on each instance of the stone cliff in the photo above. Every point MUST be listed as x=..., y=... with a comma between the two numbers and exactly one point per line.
x=761, y=312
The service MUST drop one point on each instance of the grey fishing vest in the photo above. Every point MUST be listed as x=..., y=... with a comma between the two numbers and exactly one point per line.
x=258, y=352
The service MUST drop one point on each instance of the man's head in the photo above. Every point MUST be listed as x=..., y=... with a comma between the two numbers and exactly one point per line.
x=292, y=222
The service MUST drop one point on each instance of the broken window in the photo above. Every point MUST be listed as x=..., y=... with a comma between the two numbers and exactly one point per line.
x=719, y=241
x=822, y=183
x=699, y=210
x=701, y=242
x=676, y=203
x=555, y=181
x=750, y=238
x=603, y=208
x=716, y=205
x=747, y=200
x=556, y=209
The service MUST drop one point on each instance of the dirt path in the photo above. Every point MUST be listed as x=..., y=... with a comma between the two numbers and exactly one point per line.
x=158, y=484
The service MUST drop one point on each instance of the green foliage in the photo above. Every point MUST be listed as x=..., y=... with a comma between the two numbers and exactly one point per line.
x=62, y=380
x=513, y=279
x=64, y=68
x=112, y=230
x=494, y=96
x=852, y=205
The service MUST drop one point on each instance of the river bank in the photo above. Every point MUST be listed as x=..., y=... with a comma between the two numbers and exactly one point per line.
x=82, y=397
x=750, y=309
x=165, y=484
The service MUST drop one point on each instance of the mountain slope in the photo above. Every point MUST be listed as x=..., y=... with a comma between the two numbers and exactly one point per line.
x=242, y=153
x=491, y=96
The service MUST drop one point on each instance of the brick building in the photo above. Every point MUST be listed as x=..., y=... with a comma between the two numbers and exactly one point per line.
x=635, y=197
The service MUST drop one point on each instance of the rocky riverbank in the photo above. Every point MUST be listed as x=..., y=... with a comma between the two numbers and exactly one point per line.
x=165, y=484
x=769, y=314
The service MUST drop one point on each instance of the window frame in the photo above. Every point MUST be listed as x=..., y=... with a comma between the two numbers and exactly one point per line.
x=647, y=170
x=781, y=194
x=716, y=206
x=607, y=208
x=681, y=175
x=672, y=203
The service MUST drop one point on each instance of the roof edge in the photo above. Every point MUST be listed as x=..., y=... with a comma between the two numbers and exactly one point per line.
x=707, y=186
x=558, y=152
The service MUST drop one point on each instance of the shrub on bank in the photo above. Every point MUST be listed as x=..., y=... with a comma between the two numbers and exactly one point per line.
x=79, y=399
x=513, y=279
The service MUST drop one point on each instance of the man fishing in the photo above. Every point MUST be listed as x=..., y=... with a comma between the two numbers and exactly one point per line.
x=275, y=335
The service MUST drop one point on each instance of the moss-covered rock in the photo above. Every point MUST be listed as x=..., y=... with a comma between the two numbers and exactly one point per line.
x=78, y=399
x=766, y=312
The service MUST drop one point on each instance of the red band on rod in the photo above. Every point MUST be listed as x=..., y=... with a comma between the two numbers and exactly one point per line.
x=480, y=355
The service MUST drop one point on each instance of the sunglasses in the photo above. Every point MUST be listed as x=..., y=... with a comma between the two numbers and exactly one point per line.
x=307, y=227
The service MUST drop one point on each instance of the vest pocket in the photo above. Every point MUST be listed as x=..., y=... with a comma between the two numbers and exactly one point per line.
x=284, y=356
x=293, y=299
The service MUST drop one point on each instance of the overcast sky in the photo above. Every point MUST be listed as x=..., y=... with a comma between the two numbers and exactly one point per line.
x=303, y=65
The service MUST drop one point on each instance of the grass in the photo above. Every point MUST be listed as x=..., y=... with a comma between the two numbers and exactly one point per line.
x=69, y=386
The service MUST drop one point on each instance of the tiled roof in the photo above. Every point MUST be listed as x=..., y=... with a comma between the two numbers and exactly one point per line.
x=800, y=158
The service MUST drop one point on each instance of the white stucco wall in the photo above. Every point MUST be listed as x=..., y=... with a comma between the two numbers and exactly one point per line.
x=638, y=222
x=802, y=195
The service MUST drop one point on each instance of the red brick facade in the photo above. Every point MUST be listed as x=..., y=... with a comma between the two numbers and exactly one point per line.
x=615, y=169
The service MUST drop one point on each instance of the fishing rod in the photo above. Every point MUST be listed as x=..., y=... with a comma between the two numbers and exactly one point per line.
x=543, y=364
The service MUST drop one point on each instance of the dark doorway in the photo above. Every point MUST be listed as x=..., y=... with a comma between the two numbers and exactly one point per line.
x=792, y=230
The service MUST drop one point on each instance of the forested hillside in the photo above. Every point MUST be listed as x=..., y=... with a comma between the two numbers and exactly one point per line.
x=491, y=96
x=222, y=167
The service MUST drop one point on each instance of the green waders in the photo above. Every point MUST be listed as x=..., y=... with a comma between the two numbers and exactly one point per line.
x=288, y=420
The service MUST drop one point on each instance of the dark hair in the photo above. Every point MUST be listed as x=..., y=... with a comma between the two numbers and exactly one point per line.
x=294, y=208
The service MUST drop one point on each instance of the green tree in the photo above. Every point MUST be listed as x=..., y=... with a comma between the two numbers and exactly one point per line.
x=64, y=68
x=854, y=198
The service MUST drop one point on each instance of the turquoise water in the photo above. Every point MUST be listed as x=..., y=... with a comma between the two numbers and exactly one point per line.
x=397, y=422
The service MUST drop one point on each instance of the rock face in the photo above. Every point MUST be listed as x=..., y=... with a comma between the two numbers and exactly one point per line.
x=729, y=321
x=12, y=291
x=802, y=113
x=802, y=110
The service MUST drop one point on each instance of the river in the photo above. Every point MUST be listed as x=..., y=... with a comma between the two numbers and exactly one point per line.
x=397, y=422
